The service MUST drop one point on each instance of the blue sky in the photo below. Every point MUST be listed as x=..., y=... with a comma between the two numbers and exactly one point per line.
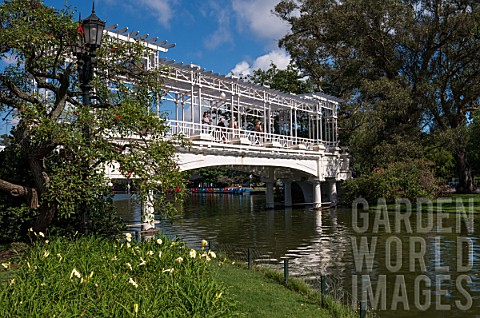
x=221, y=35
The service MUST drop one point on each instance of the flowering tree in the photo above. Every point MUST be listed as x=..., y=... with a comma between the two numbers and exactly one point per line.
x=60, y=149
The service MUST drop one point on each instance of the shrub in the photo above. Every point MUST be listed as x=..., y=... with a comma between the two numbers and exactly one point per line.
x=408, y=179
x=16, y=217
x=92, y=277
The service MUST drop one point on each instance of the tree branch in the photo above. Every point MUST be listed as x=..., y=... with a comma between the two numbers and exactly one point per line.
x=18, y=92
x=29, y=194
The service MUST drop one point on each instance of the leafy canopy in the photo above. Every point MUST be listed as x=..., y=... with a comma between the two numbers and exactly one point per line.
x=67, y=146
x=406, y=69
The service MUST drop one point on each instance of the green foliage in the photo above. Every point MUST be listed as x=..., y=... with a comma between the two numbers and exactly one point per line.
x=15, y=216
x=474, y=143
x=94, y=277
x=443, y=163
x=222, y=177
x=289, y=80
x=409, y=179
x=67, y=146
x=14, y=221
x=400, y=72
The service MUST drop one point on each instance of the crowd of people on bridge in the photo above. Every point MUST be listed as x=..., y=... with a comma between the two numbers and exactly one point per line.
x=232, y=123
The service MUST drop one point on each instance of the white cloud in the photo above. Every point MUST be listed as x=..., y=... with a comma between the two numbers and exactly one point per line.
x=278, y=57
x=223, y=33
x=242, y=68
x=258, y=17
x=161, y=9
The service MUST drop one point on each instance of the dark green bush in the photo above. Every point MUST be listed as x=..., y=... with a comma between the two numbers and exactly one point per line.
x=409, y=179
x=16, y=217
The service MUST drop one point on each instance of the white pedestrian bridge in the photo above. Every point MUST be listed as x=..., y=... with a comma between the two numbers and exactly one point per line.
x=236, y=124
x=252, y=128
x=313, y=166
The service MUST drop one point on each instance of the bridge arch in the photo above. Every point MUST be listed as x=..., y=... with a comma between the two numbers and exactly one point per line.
x=281, y=168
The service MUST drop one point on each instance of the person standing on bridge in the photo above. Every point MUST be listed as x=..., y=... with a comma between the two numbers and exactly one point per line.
x=258, y=132
x=206, y=121
x=222, y=125
x=233, y=123
x=258, y=126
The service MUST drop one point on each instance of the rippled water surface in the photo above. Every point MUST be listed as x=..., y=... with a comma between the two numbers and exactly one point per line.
x=420, y=271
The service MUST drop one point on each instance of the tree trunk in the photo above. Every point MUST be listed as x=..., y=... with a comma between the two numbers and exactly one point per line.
x=45, y=211
x=464, y=172
x=43, y=219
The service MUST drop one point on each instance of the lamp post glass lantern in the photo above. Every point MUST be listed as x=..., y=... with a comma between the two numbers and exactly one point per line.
x=93, y=30
x=91, y=33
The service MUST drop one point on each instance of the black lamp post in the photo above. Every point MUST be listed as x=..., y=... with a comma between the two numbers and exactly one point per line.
x=86, y=51
x=92, y=31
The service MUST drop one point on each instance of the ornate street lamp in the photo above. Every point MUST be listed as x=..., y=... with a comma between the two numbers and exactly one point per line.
x=91, y=31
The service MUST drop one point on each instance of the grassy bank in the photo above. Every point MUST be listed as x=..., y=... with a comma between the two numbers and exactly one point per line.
x=261, y=293
x=102, y=278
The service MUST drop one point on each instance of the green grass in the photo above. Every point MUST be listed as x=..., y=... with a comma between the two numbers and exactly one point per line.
x=92, y=277
x=44, y=284
x=446, y=204
x=259, y=293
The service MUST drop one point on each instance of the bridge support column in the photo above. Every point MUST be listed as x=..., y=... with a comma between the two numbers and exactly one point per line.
x=332, y=190
x=317, y=194
x=287, y=192
x=270, y=204
x=148, y=213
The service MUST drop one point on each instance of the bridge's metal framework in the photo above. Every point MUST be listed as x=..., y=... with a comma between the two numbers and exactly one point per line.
x=288, y=121
x=299, y=136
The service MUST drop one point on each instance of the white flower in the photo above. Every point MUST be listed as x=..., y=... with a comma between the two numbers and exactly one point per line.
x=159, y=241
x=193, y=253
x=207, y=258
x=150, y=253
x=179, y=259
x=12, y=282
x=170, y=270
x=212, y=254
x=6, y=265
x=160, y=254
x=41, y=234
x=128, y=237
x=129, y=265
x=204, y=243
x=114, y=258
x=128, y=245
x=75, y=273
x=143, y=262
x=46, y=253
x=131, y=281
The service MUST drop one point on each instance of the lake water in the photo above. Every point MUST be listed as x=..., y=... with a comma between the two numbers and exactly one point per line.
x=427, y=267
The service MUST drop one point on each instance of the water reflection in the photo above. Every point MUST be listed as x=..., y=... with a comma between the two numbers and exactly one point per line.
x=325, y=241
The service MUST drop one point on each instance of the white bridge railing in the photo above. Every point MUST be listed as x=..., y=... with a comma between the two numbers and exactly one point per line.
x=228, y=135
